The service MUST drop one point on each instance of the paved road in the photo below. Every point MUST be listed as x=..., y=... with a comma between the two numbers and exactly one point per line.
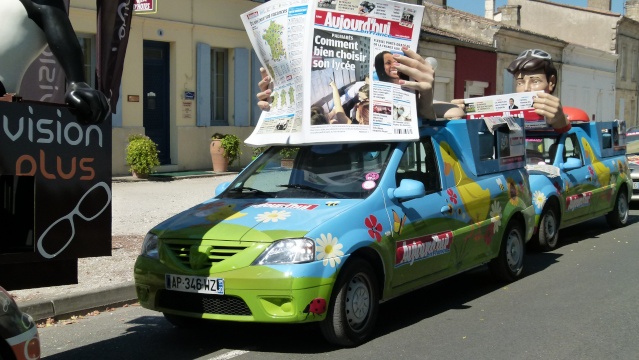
x=577, y=302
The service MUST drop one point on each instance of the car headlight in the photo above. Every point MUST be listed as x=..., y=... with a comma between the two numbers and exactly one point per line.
x=150, y=246
x=288, y=251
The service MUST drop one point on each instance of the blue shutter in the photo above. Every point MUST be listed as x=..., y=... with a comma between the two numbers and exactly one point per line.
x=255, y=78
x=241, y=76
x=203, y=86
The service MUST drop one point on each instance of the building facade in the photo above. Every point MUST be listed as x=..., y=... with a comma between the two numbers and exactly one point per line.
x=189, y=72
x=594, y=27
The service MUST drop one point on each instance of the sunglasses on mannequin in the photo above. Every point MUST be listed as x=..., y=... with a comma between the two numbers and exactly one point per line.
x=540, y=54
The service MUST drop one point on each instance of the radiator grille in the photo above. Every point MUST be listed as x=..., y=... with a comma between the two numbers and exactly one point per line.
x=220, y=250
x=202, y=303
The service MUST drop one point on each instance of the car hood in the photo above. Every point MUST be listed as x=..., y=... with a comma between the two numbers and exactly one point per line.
x=257, y=220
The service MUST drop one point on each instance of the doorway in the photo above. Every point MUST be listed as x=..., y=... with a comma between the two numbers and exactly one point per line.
x=157, y=109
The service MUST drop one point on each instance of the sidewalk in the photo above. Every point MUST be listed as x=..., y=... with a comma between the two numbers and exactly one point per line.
x=107, y=282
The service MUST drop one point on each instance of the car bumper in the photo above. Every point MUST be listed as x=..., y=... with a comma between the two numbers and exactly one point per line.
x=635, y=187
x=252, y=294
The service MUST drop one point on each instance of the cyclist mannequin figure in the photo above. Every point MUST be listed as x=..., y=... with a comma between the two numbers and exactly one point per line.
x=28, y=26
x=534, y=71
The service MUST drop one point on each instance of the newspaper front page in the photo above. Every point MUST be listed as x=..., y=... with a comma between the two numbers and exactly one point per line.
x=516, y=105
x=331, y=64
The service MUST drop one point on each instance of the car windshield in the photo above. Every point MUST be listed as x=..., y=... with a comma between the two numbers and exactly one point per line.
x=315, y=171
x=632, y=140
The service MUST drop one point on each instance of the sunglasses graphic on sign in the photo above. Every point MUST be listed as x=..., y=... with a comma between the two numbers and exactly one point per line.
x=94, y=191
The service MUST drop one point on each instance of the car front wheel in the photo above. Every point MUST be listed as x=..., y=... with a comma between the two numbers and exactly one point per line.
x=509, y=264
x=353, y=307
x=618, y=217
x=548, y=232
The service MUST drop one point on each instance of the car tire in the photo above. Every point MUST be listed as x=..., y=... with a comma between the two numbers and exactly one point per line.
x=618, y=217
x=548, y=231
x=353, y=307
x=509, y=263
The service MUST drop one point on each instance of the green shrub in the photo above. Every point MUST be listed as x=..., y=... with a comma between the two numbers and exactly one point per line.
x=141, y=154
x=289, y=152
x=137, y=137
x=259, y=150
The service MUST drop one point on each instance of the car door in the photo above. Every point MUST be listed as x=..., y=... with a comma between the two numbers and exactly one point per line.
x=422, y=227
x=577, y=182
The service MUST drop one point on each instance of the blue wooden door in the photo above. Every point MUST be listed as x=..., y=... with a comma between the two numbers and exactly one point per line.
x=157, y=110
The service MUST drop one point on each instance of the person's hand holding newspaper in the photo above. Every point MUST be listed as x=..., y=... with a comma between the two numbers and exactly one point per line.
x=266, y=89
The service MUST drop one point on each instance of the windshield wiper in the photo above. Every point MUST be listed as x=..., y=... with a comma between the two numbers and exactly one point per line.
x=242, y=189
x=306, y=187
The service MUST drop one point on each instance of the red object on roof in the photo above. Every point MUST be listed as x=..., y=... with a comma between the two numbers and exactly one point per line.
x=575, y=114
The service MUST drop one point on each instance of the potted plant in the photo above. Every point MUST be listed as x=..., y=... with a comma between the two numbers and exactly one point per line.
x=257, y=151
x=141, y=155
x=288, y=156
x=225, y=148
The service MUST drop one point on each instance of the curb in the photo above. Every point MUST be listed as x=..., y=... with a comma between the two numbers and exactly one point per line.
x=67, y=305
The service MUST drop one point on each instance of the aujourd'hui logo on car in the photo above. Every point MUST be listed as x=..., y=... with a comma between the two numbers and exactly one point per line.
x=199, y=256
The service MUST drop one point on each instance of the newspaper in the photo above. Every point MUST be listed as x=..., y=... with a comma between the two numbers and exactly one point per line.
x=328, y=86
x=494, y=121
x=506, y=105
x=543, y=169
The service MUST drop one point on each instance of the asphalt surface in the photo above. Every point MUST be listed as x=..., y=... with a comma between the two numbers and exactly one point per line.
x=137, y=206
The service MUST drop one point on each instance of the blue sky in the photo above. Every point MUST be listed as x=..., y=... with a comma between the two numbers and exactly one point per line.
x=477, y=6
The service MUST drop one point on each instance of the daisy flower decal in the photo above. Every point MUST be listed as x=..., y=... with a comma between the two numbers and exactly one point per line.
x=495, y=216
x=539, y=198
x=274, y=216
x=329, y=250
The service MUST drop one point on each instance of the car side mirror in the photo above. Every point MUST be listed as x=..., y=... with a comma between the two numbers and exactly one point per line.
x=571, y=164
x=409, y=189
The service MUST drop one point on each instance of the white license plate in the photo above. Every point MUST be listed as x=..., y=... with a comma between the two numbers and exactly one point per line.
x=194, y=284
x=635, y=185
